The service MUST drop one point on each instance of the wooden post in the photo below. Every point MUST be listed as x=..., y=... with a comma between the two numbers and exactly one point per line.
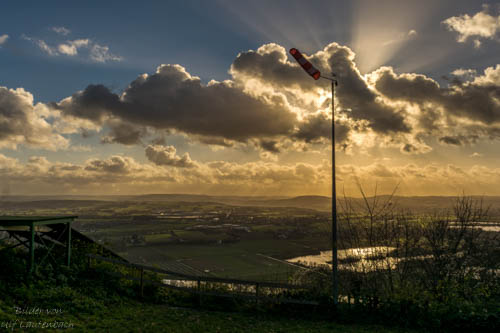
x=32, y=249
x=142, y=282
x=68, y=245
x=257, y=293
x=199, y=292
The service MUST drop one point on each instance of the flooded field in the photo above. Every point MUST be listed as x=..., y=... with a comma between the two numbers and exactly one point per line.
x=358, y=259
x=485, y=226
x=365, y=260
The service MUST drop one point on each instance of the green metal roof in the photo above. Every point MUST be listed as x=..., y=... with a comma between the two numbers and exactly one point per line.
x=33, y=235
x=33, y=218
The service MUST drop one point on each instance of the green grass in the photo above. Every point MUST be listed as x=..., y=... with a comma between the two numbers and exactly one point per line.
x=154, y=318
x=157, y=238
x=237, y=260
x=134, y=316
x=93, y=301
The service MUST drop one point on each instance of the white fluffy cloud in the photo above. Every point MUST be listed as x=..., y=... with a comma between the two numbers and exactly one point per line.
x=101, y=53
x=42, y=45
x=61, y=30
x=128, y=175
x=480, y=25
x=415, y=179
x=93, y=50
x=21, y=122
x=167, y=155
x=3, y=39
x=71, y=47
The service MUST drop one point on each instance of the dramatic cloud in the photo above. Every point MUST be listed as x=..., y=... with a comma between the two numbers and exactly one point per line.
x=21, y=122
x=477, y=101
x=358, y=97
x=116, y=164
x=458, y=140
x=268, y=65
x=413, y=179
x=123, y=173
x=123, y=132
x=481, y=25
x=270, y=99
x=272, y=106
x=3, y=39
x=173, y=99
x=167, y=156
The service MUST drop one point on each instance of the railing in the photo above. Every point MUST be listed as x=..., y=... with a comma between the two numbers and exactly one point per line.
x=176, y=276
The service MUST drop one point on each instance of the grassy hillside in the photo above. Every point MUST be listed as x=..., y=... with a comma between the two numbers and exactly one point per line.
x=84, y=300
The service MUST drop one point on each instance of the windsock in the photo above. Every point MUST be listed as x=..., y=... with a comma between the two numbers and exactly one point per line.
x=308, y=67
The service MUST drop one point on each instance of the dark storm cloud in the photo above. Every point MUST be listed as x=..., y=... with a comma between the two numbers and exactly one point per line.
x=409, y=148
x=94, y=103
x=475, y=101
x=217, y=141
x=269, y=64
x=315, y=127
x=459, y=140
x=124, y=133
x=266, y=86
x=172, y=99
x=270, y=145
x=319, y=126
x=408, y=87
x=450, y=140
x=13, y=114
x=355, y=95
x=229, y=111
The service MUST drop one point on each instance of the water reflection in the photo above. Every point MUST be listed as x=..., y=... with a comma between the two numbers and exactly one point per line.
x=357, y=259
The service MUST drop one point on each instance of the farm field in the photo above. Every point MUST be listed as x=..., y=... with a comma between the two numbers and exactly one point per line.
x=205, y=238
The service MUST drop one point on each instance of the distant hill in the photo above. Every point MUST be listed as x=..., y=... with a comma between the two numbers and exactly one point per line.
x=50, y=204
x=415, y=204
x=310, y=201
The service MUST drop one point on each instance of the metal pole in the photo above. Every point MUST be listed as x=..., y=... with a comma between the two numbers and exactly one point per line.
x=335, y=286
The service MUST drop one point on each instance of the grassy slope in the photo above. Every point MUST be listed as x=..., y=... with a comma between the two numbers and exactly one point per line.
x=133, y=316
x=93, y=301
x=161, y=318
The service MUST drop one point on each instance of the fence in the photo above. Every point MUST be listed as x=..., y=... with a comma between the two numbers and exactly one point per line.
x=196, y=281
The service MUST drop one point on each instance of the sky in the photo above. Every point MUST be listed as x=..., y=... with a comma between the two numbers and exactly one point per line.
x=203, y=97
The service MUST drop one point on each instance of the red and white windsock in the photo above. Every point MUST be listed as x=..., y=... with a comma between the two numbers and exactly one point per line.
x=308, y=67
